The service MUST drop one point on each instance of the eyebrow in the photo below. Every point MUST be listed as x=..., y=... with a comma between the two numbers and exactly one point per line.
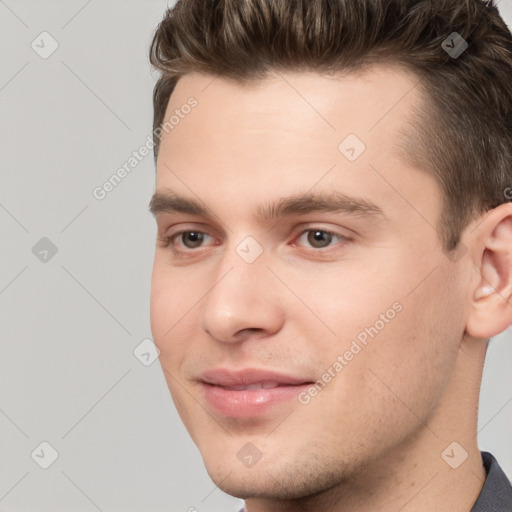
x=301, y=204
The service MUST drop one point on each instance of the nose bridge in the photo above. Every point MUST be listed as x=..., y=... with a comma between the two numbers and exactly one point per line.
x=241, y=297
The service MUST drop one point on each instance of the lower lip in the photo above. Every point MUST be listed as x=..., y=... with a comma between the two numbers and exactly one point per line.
x=249, y=403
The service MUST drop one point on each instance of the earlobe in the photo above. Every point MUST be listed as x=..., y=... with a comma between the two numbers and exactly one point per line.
x=491, y=298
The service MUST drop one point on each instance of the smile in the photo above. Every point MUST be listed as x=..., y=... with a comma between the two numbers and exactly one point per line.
x=248, y=393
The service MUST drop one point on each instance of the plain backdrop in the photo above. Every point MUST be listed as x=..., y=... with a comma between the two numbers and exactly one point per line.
x=75, y=275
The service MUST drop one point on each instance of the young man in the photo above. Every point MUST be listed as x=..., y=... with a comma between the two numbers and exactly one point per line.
x=334, y=246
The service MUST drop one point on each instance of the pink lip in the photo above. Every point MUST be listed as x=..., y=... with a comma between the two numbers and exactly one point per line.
x=222, y=391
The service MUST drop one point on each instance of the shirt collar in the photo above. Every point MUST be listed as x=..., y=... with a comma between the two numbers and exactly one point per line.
x=496, y=493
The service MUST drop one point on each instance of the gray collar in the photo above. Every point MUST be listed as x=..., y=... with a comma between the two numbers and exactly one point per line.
x=496, y=494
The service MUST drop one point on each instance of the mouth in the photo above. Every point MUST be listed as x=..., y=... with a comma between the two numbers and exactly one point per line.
x=249, y=393
x=256, y=385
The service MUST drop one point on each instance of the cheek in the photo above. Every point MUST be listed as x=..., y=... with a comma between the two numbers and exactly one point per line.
x=173, y=294
x=412, y=359
x=171, y=304
x=343, y=302
x=400, y=339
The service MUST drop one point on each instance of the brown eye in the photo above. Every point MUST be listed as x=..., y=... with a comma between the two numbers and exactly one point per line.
x=319, y=239
x=192, y=239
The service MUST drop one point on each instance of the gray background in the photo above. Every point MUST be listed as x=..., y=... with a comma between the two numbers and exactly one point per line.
x=70, y=324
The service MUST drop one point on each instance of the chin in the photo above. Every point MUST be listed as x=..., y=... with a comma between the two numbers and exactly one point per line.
x=278, y=479
x=256, y=484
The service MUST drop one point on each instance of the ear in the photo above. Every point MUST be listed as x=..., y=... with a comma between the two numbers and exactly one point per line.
x=490, y=310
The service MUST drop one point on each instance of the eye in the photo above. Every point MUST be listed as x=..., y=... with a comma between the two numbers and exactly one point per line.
x=319, y=238
x=192, y=239
x=184, y=241
x=187, y=243
x=189, y=239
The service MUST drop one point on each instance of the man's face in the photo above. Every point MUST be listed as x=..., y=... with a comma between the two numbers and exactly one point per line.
x=272, y=289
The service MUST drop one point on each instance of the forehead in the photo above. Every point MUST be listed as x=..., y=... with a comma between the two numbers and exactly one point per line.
x=277, y=112
x=291, y=132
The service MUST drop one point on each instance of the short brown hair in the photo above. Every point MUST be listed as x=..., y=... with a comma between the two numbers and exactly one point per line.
x=461, y=134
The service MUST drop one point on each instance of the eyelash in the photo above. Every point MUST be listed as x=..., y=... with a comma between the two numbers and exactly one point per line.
x=168, y=241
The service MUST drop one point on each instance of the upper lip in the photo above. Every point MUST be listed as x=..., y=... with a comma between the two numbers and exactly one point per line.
x=245, y=377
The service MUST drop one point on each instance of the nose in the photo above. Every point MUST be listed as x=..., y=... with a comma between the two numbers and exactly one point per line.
x=242, y=303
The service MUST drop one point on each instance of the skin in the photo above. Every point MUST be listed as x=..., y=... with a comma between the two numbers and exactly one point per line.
x=372, y=439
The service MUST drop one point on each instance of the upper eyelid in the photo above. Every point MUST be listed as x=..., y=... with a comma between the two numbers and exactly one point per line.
x=305, y=226
x=179, y=233
x=304, y=231
x=170, y=233
x=297, y=232
x=342, y=232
